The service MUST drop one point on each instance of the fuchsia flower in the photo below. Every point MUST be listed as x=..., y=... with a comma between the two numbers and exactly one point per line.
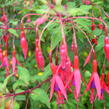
x=108, y=79
x=101, y=26
x=5, y=63
x=14, y=61
x=6, y=38
x=24, y=43
x=103, y=86
x=56, y=81
x=76, y=79
x=63, y=55
x=88, y=2
x=4, y=18
x=94, y=81
x=39, y=56
x=1, y=54
x=106, y=47
x=41, y=20
x=88, y=58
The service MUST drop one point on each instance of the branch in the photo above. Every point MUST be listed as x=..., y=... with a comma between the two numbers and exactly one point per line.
x=27, y=91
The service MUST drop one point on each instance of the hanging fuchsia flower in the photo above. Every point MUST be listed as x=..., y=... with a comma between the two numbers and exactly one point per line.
x=5, y=63
x=6, y=38
x=1, y=54
x=63, y=55
x=94, y=81
x=88, y=58
x=67, y=71
x=24, y=43
x=77, y=76
x=88, y=2
x=4, y=18
x=39, y=56
x=106, y=47
x=103, y=86
x=39, y=59
x=108, y=79
x=93, y=26
x=14, y=61
x=73, y=46
x=41, y=20
x=101, y=26
x=57, y=83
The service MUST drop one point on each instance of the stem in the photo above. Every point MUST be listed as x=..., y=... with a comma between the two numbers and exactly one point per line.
x=93, y=105
x=86, y=37
x=75, y=42
x=58, y=106
x=16, y=28
x=62, y=30
x=45, y=29
x=56, y=56
x=29, y=90
x=94, y=18
x=30, y=14
x=77, y=106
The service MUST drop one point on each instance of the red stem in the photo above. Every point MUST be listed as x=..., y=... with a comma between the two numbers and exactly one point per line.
x=29, y=90
x=16, y=28
x=94, y=18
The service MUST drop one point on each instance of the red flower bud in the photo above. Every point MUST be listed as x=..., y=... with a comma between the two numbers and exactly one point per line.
x=106, y=47
x=14, y=61
x=95, y=41
x=100, y=26
x=1, y=54
x=28, y=19
x=63, y=54
x=41, y=20
x=24, y=44
x=39, y=59
x=76, y=62
x=88, y=2
x=93, y=26
x=94, y=65
x=4, y=18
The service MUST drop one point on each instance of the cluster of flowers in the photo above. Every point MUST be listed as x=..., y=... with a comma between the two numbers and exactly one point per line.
x=65, y=74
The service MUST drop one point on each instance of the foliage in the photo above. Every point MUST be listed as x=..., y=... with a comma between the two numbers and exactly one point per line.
x=18, y=90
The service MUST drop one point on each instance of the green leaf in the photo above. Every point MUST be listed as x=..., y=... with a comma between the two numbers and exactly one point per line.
x=20, y=97
x=84, y=24
x=85, y=8
x=24, y=75
x=56, y=38
x=97, y=32
x=3, y=87
x=16, y=105
x=13, y=31
x=41, y=96
x=18, y=83
x=44, y=75
x=100, y=43
x=58, y=2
